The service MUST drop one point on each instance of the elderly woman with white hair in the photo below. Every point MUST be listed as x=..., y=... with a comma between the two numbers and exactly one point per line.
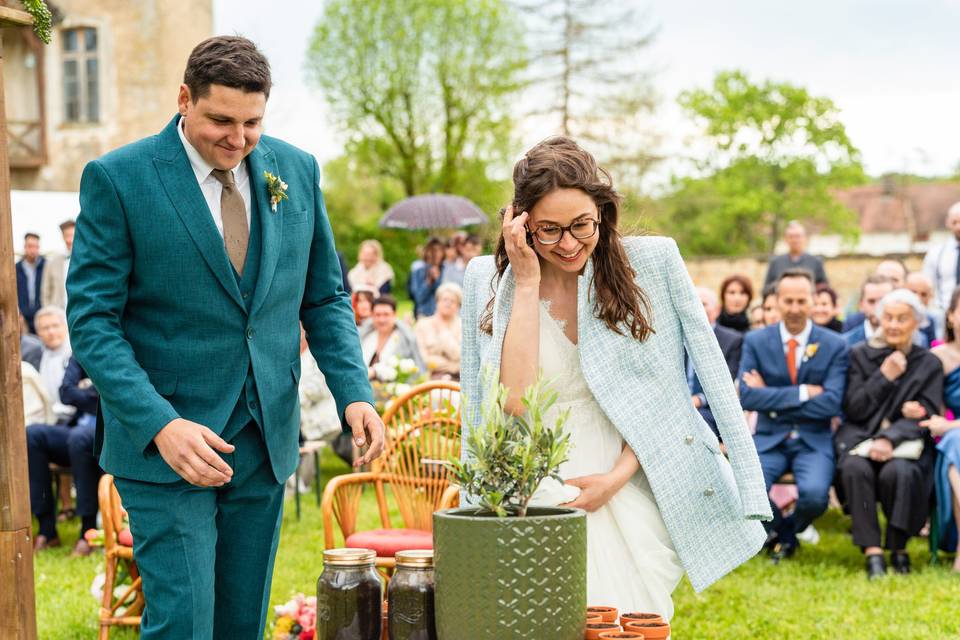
x=883, y=453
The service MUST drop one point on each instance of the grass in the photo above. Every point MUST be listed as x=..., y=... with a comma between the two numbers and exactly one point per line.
x=822, y=593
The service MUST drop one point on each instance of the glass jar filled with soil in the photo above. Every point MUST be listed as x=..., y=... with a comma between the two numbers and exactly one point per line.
x=410, y=597
x=349, y=596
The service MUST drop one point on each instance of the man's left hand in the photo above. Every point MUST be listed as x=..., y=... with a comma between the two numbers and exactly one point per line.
x=367, y=430
x=753, y=379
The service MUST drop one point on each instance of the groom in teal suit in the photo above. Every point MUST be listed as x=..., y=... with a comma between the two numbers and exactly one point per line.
x=191, y=272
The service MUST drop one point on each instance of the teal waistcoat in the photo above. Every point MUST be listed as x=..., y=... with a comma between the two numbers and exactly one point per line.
x=248, y=404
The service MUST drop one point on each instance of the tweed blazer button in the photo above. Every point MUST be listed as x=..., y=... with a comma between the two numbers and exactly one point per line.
x=688, y=440
x=708, y=491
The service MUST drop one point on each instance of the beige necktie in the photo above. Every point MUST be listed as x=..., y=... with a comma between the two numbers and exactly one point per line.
x=236, y=232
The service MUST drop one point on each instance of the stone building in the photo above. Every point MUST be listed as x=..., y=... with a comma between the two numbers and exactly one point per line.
x=108, y=77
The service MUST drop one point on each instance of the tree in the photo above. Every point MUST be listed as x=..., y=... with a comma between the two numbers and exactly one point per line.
x=422, y=87
x=589, y=76
x=777, y=152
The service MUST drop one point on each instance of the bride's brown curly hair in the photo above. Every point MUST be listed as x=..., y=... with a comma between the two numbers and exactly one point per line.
x=560, y=163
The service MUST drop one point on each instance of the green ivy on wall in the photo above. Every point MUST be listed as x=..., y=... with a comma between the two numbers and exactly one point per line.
x=42, y=18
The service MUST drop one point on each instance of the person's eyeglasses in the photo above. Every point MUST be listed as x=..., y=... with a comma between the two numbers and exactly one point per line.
x=552, y=233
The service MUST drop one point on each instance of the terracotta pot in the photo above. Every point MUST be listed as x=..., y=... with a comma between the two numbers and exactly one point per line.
x=639, y=617
x=609, y=614
x=622, y=634
x=593, y=616
x=594, y=629
x=650, y=630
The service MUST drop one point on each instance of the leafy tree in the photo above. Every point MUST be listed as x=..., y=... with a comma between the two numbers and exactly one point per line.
x=423, y=88
x=777, y=152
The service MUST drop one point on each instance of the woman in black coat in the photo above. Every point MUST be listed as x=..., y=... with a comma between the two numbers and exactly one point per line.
x=883, y=453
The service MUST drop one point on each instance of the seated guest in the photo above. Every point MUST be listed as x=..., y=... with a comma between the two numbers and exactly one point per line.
x=756, y=317
x=947, y=467
x=792, y=374
x=893, y=270
x=384, y=338
x=468, y=247
x=439, y=336
x=922, y=287
x=825, y=309
x=883, y=453
x=70, y=445
x=425, y=279
x=736, y=291
x=859, y=327
x=371, y=270
x=731, y=343
x=51, y=325
x=771, y=310
x=362, y=299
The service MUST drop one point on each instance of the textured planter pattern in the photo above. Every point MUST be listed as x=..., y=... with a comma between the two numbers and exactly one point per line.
x=499, y=578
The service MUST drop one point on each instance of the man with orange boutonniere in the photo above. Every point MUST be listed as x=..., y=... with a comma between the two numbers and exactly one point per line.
x=792, y=374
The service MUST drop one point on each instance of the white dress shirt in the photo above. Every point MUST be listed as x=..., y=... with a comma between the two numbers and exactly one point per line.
x=210, y=186
x=940, y=265
x=802, y=338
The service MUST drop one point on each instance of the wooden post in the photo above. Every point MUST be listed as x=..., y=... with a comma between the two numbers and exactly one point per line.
x=17, y=606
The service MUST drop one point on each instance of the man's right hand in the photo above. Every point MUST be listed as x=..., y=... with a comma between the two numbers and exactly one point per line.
x=188, y=448
x=813, y=390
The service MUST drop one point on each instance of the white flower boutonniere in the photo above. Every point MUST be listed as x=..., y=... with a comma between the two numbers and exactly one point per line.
x=811, y=350
x=277, y=189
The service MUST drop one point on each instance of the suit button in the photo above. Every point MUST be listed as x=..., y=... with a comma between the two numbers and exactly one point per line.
x=253, y=404
x=688, y=440
x=246, y=295
x=708, y=491
x=249, y=333
x=773, y=414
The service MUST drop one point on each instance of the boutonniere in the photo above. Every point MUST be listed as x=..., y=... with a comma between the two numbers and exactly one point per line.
x=277, y=189
x=811, y=351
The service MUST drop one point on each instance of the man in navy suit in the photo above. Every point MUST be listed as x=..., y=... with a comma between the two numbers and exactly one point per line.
x=731, y=344
x=29, y=277
x=793, y=375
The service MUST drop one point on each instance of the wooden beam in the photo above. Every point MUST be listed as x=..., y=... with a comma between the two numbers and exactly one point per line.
x=17, y=604
x=14, y=18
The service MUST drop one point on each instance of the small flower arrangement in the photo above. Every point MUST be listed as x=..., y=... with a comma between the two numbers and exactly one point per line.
x=277, y=189
x=811, y=350
x=394, y=377
x=297, y=619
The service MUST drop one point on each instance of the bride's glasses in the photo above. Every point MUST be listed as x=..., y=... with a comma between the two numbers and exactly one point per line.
x=552, y=233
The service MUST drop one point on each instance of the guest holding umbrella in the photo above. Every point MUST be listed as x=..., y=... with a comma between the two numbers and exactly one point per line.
x=736, y=291
x=883, y=453
x=426, y=278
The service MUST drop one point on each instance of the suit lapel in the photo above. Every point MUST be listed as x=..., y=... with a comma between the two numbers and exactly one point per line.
x=801, y=366
x=262, y=158
x=180, y=184
x=779, y=358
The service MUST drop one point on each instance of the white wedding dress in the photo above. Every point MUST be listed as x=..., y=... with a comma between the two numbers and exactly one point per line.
x=631, y=562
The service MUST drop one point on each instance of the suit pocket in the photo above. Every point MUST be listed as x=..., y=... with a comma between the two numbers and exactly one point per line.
x=294, y=217
x=165, y=382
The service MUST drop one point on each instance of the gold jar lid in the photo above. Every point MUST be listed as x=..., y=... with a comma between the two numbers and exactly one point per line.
x=349, y=557
x=422, y=558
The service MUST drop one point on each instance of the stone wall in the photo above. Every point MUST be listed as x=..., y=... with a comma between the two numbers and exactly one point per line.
x=142, y=50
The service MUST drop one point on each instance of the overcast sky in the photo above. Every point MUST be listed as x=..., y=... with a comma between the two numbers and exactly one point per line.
x=887, y=64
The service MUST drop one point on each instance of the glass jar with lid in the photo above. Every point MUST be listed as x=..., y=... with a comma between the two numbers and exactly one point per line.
x=410, y=597
x=349, y=596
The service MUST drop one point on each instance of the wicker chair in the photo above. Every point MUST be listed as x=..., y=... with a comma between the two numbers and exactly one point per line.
x=422, y=432
x=117, y=553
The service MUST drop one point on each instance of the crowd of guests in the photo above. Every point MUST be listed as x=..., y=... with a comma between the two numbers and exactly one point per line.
x=861, y=407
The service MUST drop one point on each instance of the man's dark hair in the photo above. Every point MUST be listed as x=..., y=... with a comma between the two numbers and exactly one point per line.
x=473, y=239
x=388, y=300
x=769, y=290
x=796, y=273
x=68, y=224
x=827, y=289
x=230, y=61
x=874, y=279
x=29, y=235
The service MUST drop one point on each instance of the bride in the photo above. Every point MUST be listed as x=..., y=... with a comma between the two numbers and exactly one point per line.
x=606, y=318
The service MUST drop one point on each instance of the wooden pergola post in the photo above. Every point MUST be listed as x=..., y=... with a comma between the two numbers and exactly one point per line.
x=17, y=605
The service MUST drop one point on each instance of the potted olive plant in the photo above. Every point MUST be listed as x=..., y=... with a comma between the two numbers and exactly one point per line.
x=505, y=569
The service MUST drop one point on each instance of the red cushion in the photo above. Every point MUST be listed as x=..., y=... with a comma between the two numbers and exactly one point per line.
x=387, y=542
x=125, y=538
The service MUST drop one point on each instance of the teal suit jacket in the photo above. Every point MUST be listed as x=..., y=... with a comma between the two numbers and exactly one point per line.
x=156, y=315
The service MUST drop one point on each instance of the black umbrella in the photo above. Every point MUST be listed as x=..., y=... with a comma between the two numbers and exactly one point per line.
x=433, y=211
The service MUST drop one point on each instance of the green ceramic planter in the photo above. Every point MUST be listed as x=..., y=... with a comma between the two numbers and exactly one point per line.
x=500, y=578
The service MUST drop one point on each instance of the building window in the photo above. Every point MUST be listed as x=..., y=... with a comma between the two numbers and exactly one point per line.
x=81, y=87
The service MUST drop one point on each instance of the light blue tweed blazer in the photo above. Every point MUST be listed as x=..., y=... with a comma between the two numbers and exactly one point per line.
x=712, y=508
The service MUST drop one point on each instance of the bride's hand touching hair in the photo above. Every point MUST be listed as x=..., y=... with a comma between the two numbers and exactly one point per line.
x=523, y=259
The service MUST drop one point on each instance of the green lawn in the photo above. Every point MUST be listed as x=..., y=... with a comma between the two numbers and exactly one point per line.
x=821, y=594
